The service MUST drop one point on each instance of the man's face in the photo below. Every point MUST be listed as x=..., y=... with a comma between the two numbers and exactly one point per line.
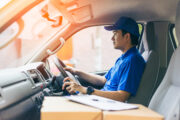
x=119, y=41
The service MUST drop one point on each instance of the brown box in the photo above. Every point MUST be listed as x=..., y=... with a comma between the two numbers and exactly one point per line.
x=142, y=113
x=59, y=108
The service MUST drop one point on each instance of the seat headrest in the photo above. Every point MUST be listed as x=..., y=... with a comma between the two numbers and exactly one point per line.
x=177, y=24
x=150, y=35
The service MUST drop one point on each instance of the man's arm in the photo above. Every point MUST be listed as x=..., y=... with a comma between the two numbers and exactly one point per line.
x=115, y=95
x=91, y=78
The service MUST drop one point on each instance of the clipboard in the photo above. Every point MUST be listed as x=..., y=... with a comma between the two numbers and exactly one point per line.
x=101, y=102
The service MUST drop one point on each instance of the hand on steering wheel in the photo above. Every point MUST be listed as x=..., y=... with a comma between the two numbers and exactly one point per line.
x=73, y=86
x=60, y=65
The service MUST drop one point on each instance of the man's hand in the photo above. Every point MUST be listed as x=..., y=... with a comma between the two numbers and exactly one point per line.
x=73, y=86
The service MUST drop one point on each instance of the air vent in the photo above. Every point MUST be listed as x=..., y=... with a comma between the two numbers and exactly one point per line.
x=44, y=72
x=34, y=76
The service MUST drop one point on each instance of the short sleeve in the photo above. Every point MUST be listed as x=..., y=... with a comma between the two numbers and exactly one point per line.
x=107, y=75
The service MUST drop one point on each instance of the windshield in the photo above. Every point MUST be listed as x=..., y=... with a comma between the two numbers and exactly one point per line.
x=22, y=38
x=4, y=3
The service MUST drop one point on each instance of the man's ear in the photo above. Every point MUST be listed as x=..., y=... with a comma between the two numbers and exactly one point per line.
x=128, y=37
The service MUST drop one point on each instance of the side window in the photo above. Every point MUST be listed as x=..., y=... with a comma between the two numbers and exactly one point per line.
x=141, y=44
x=93, y=49
x=173, y=36
x=141, y=28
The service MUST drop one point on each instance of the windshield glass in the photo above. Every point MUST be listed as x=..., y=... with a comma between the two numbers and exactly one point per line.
x=22, y=38
x=4, y=3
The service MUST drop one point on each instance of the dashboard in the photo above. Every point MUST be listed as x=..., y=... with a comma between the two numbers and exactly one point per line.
x=22, y=91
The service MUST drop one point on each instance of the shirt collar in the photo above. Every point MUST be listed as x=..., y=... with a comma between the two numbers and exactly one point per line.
x=127, y=53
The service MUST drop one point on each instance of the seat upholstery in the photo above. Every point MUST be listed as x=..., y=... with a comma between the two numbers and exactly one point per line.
x=149, y=78
x=166, y=99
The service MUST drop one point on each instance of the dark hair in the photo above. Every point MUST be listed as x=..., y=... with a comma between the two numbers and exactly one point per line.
x=134, y=39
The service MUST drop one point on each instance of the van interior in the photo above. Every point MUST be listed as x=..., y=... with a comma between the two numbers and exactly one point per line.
x=33, y=32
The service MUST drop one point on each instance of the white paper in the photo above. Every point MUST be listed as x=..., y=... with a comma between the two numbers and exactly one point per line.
x=101, y=102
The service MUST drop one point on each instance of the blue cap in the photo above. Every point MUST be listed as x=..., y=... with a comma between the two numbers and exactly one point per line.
x=125, y=23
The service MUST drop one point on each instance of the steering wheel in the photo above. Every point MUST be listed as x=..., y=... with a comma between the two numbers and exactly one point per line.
x=60, y=65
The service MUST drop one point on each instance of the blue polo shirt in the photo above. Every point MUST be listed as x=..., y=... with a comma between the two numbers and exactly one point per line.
x=126, y=73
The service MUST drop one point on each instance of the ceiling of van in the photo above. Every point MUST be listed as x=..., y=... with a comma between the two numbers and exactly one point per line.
x=96, y=12
x=107, y=11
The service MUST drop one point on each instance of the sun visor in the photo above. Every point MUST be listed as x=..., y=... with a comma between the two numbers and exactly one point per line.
x=73, y=11
x=82, y=14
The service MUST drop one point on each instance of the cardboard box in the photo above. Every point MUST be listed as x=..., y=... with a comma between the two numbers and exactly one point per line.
x=59, y=108
x=142, y=113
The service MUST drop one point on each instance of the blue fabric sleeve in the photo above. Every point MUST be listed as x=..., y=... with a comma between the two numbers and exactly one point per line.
x=107, y=75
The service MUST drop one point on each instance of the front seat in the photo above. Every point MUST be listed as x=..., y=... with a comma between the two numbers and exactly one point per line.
x=166, y=99
x=149, y=77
